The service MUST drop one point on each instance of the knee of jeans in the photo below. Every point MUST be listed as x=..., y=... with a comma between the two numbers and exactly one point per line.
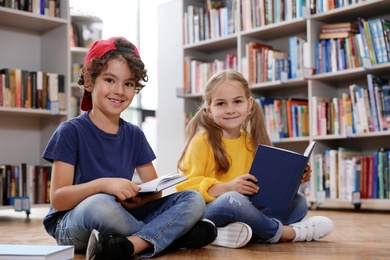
x=196, y=201
x=232, y=199
x=100, y=204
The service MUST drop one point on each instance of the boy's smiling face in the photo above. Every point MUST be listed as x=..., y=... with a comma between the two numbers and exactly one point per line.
x=114, y=88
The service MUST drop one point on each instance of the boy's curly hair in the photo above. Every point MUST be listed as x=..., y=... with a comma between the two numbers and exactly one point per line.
x=96, y=65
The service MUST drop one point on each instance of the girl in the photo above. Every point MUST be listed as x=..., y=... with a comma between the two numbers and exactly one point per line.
x=95, y=206
x=217, y=160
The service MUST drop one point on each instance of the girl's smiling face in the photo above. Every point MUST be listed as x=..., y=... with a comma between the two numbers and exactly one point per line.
x=229, y=108
x=114, y=88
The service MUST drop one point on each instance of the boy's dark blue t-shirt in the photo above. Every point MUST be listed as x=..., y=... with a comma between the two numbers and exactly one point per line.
x=95, y=153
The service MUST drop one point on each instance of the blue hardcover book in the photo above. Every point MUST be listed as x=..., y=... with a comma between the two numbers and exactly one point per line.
x=325, y=61
x=279, y=173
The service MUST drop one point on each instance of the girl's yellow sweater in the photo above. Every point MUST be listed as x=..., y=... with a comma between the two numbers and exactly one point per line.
x=199, y=166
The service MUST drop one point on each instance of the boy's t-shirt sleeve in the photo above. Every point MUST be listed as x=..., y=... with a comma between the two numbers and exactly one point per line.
x=62, y=145
x=198, y=166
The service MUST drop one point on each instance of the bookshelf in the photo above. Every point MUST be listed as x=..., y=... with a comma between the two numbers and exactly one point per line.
x=178, y=104
x=33, y=42
x=85, y=30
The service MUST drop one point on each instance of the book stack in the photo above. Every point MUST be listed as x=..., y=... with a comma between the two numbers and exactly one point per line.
x=363, y=109
x=50, y=8
x=338, y=30
x=24, y=181
x=343, y=171
x=286, y=117
x=21, y=88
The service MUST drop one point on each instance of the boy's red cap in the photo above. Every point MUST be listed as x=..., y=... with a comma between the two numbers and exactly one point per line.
x=98, y=49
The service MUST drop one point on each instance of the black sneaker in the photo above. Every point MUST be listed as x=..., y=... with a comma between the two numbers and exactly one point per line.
x=203, y=233
x=108, y=247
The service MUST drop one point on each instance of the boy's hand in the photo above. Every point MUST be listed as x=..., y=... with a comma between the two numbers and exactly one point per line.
x=119, y=187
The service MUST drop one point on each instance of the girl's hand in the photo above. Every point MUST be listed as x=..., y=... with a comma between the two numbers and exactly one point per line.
x=119, y=187
x=307, y=174
x=244, y=184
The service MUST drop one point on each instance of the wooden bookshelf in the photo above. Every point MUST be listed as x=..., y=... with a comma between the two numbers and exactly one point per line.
x=306, y=86
x=32, y=42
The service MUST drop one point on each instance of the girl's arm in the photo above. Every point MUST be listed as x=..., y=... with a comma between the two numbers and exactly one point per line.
x=64, y=195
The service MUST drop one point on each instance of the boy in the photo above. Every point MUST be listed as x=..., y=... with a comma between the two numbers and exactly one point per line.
x=95, y=205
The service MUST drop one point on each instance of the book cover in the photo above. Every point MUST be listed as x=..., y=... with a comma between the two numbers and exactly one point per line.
x=162, y=183
x=37, y=252
x=278, y=182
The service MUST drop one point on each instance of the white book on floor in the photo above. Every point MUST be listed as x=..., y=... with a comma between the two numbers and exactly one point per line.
x=36, y=252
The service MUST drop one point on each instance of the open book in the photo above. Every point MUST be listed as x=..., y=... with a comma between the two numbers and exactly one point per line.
x=161, y=183
x=279, y=173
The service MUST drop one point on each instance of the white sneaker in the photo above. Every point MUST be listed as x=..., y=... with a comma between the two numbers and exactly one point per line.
x=234, y=235
x=313, y=228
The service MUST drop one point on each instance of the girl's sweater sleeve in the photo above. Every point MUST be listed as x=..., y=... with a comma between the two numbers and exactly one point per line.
x=198, y=166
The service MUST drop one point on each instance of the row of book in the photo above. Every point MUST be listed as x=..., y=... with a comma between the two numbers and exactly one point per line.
x=31, y=89
x=263, y=63
x=342, y=172
x=209, y=21
x=321, y=6
x=25, y=180
x=257, y=13
x=349, y=49
x=363, y=109
x=197, y=72
x=221, y=18
x=285, y=117
x=43, y=7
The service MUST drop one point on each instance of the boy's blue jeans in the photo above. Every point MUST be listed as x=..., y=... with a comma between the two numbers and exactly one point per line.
x=159, y=222
x=266, y=224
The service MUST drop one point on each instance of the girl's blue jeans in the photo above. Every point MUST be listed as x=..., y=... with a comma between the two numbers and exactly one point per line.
x=159, y=222
x=266, y=224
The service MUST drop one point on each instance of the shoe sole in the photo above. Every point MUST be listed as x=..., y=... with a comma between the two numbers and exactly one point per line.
x=234, y=235
x=94, y=246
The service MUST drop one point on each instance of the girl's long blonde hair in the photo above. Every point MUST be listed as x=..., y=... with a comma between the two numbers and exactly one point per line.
x=253, y=125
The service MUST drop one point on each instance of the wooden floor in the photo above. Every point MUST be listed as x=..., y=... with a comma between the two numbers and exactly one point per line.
x=356, y=235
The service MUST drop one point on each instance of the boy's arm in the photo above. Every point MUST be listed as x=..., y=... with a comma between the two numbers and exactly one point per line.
x=65, y=195
x=147, y=173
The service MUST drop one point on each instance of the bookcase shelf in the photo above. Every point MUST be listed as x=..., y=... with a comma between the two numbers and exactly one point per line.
x=277, y=35
x=29, y=112
x=32, y=42
x=81, y=23
x=30, y=21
